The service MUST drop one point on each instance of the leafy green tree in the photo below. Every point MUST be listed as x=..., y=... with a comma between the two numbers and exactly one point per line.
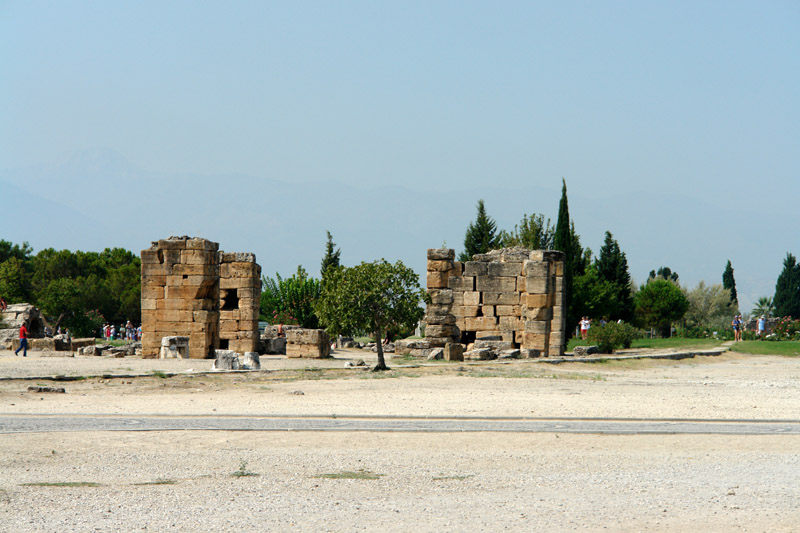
x=612, y=266
x=62, y=299
x=594, y=296
x=290, y=300
x=729, y=283
x=764, y=306
x=664, y=273
x=534, y=233
x=481, y=235
x=709, y=307
x=14, y=281
x=659, y=303
x=787, y=289
x=331, y=258
x=371, y=297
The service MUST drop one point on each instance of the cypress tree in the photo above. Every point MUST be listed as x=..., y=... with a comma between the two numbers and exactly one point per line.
x=566, y=240
x=787, y=289
x=331, y=258
x=612, y=265
x=729, y=283
x=481, y=235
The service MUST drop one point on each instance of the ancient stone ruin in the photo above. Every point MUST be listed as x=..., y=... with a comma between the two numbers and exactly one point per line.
x=505, y=300
x=191, y=289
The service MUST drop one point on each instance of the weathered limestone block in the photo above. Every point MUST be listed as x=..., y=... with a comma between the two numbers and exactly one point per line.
x=481, y=323
x=461, y=283
x=487, y=310
x=537, y=285
x=495, y=284
x=441, y=296
x=436, y=353
x=508, y=310
x=441, y=330
x=472, y=298
x=509, y=354
x=465, y=310
x=537, y=326
x=454, y=351
x=439, y=266
x=505, y=269
x=435, y=342
x=174, y=347
x=510, y=323
x=308, y=343
x=439, y=309
x=535, y=340
x=494, y=345
x=440, y=319
x=405, y=346
x=534, y=300
x=481, y=354
x=226, y=360
x=251, y=361
x=535, y=269
x=437, y=280
x=441, y=254
x=476, y=268
x=500, y=298
x=538, y=313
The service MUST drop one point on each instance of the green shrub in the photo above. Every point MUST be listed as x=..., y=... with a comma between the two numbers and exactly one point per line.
x=290, y=300
x=612, y=336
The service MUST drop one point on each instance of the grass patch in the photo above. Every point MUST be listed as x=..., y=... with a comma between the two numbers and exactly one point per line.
x=785, y=348
x=672, y=342
x=243, y=471
x=363, y=340
x=62, y=484
x=160, y=374
x=454, y=478
x=157, y=482
x=347, y=474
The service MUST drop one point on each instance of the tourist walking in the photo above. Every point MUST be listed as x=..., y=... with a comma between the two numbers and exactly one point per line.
x=737, y=325
x=23, y=341
x=762, y=326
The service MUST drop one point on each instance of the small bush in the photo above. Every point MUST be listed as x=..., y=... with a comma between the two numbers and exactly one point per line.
x=613, y=336
x=786, y=329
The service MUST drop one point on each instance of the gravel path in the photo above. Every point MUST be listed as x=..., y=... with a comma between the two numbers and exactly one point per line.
x=439, y=482
x=451, y=481
x=48, y=424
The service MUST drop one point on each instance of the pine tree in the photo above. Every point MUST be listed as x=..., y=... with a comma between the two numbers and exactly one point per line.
x=331, y=258
x=612, y=265
x=729, y=283
x=481, y=235
x=787, y=289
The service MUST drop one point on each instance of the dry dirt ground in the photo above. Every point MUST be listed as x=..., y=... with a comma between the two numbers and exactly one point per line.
x=192, y=480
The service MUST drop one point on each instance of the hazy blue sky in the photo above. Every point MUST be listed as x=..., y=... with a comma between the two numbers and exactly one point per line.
x=653, y=101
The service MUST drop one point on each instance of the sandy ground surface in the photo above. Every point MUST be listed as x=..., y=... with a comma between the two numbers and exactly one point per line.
x=425, y=482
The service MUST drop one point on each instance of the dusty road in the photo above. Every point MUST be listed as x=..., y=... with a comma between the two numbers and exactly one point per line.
x=189, y=480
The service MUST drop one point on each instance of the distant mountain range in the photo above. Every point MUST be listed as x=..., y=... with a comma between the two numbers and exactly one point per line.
x=98, y=199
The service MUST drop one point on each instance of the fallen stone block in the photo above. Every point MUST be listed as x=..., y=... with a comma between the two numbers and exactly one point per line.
x=226, y=360
x=251, y=361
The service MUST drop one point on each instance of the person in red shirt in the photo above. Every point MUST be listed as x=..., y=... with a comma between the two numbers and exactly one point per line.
x=23, y=341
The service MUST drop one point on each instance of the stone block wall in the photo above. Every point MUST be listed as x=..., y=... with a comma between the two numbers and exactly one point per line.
x=513, y=295
x=240, y=301
x=181, y=289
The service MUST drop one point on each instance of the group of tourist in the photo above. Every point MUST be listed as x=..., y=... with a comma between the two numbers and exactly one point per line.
x=128, y=332
x=738, y=326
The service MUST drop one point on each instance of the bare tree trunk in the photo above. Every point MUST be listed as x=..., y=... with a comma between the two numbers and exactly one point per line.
x=379, y=343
